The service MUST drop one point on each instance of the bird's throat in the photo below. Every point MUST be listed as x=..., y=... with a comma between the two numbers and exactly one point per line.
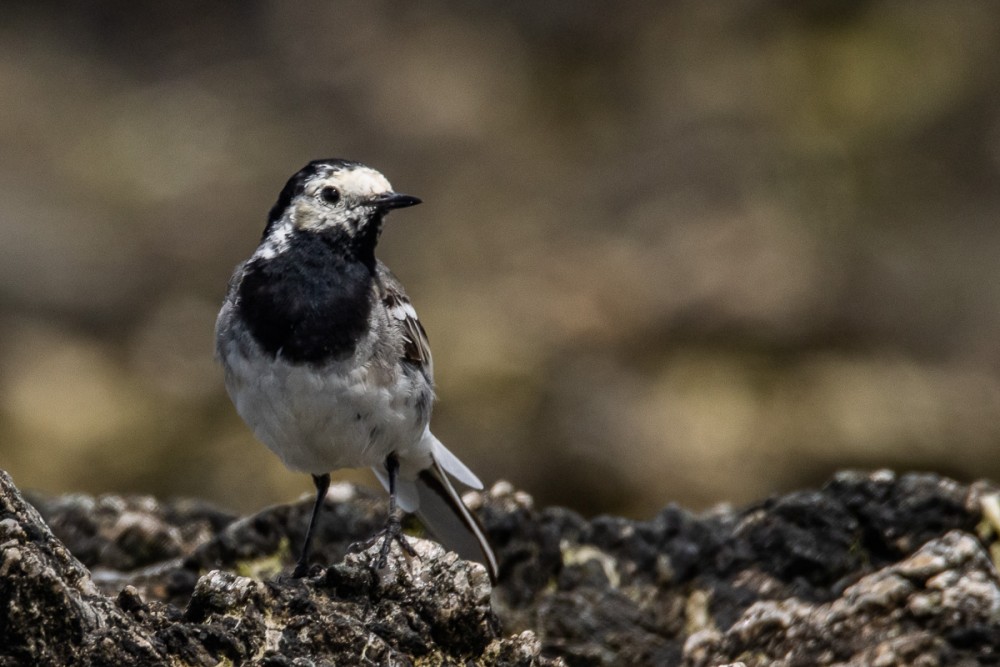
x=311, y=303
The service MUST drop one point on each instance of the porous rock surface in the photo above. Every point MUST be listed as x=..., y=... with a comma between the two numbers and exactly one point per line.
x=871, y=569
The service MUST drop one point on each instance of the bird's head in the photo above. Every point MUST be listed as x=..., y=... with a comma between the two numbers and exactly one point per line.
x=335, y=196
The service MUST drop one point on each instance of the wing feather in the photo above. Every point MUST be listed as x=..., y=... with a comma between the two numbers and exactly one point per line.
x=416, y=348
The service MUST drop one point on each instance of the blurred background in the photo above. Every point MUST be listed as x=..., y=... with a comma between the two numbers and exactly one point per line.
x=669, y=251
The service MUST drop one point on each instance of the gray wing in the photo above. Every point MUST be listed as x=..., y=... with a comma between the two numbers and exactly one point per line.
x=416, y=348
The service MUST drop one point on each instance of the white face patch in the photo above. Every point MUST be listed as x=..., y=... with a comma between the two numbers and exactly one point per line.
x=356, y=186
x=357, y=182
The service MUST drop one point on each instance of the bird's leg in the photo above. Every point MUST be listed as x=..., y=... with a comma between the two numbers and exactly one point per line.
x=322, y=483
x=393, y=530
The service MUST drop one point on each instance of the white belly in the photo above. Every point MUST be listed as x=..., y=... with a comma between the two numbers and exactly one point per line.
x=319, y=421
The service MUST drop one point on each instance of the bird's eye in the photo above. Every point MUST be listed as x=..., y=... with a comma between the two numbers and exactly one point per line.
x=330, y=195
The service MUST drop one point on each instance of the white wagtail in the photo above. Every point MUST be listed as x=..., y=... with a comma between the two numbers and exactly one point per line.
x=326, y=360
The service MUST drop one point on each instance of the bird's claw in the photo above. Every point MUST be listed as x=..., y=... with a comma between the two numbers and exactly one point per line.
x=393, y=532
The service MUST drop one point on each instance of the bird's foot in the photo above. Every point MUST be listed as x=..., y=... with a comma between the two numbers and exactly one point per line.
x=393, y=532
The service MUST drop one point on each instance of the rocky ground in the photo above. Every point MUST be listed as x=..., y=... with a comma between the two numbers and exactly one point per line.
x=871, y=569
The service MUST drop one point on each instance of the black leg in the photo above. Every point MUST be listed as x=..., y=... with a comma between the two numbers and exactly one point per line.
x=322, y=483
x=393, y=531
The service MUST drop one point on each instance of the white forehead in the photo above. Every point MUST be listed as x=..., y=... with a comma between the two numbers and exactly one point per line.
x=356, y=181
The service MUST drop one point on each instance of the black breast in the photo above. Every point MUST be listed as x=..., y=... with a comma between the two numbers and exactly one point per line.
x=308, y=304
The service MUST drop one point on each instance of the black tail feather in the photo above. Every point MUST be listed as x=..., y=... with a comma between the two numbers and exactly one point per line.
x=446, y=516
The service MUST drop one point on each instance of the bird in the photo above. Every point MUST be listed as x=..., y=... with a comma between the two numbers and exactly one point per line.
x=326, y=361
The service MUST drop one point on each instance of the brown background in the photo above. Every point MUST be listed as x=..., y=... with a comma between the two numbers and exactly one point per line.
x=669, y=251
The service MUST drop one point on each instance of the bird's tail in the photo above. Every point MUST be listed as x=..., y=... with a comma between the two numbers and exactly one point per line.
x=443, y=513
x=434, y=499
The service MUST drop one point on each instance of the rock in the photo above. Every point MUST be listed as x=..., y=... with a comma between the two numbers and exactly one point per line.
x=433, y=608
x=929, y=609
x=51, y=613
x=871, y=569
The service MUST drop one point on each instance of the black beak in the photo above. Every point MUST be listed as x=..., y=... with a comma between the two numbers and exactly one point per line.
x=391, y=200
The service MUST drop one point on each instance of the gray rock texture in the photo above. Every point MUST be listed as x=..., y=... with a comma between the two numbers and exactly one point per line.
x=871, y=569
